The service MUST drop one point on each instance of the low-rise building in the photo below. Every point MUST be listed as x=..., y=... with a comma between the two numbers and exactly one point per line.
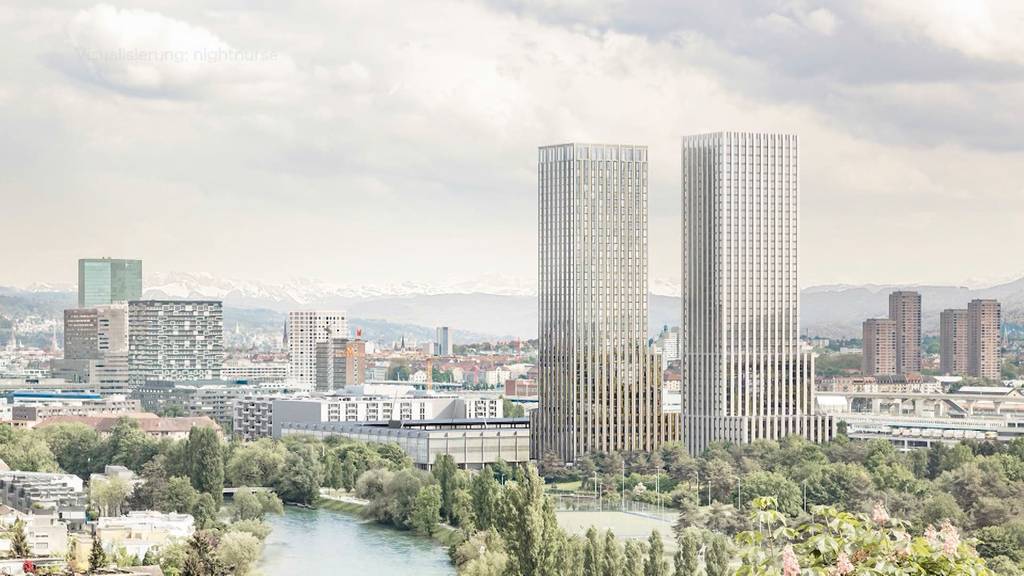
x=46, y=535
x=472, y=443
x=59, y=495
x=139, y=531
x=30, y=408
x=255, y=372
x=212, y=398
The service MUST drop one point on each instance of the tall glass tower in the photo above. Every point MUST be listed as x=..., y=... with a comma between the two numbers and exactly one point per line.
x=103, y=281
x=745, y=377
x=600, y=388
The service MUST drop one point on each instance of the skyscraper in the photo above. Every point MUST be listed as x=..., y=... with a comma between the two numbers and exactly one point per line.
x=94, y=332
x=744, y=375
x=984, y=320
x=905, y=309
x=879, y=347
x=443, y=342
x=106, y=281
x=305, y=329
x=599, y=387
x=954, y=338
x=175, y=340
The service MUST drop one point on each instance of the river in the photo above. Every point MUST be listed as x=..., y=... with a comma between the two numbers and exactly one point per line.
x=315, y=542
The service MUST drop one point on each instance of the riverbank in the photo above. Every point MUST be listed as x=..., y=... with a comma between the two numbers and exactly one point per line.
x=444, y=535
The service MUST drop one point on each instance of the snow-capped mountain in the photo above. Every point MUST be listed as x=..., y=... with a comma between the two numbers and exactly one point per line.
x=306, y=292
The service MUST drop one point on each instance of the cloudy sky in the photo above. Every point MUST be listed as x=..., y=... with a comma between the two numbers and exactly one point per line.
x=375, y=142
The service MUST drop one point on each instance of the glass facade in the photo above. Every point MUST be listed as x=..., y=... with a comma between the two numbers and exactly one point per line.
x=106, y=281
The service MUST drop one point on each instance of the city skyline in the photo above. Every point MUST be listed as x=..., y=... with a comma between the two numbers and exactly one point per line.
x=311, y=137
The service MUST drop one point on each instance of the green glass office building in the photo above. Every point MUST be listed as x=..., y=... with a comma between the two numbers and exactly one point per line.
x=106, y=280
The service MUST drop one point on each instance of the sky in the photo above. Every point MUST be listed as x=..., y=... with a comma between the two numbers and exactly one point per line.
x=379, y=142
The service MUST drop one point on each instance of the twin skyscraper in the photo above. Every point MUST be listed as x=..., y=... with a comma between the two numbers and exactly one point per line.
x=744, y=374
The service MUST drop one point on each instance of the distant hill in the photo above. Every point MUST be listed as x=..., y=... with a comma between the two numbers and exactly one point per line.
x=493, y=310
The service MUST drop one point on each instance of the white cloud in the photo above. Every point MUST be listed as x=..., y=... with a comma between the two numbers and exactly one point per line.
x=148, y=53
x=985, y=29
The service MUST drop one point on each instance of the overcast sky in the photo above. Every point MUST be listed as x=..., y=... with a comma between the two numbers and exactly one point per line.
x=373, y=142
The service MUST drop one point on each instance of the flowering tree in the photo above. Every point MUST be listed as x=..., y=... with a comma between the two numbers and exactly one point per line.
x=838, y=543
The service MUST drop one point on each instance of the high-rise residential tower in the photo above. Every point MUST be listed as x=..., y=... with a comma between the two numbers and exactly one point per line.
x=340, y=362
x=984, y=321
x=745, y=377
x=175, y=340
x=954, y=338
x=599, y=387
x=879, y=347
x=107, y=281
x=905, y=309
x=305, y=329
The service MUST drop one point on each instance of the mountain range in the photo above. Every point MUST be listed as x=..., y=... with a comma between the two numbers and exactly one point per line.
x=497, y=306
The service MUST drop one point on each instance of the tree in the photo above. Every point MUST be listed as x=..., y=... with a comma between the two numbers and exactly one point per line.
x=127, y=445
x=636, y=562
x=201, y=557
x=528, y=525
x=205, y=461
x=97, y=557
x=614, y=559
x=109, y=494
x=177, y=496
x=299, y=480
x=23, y=450
x=512, y=410
x=656, y=564
x=482, y=554
x=19, y=541
x=254, y=527
x=446, y=474
x=486, y=497
x=333, y=476
x=348, y=476
x=784, y=490
x=686, y=557
x=255, y=463
x=75, y=446
x=426, y=510
x=247, y=506
x=238, y=551
x=593, y=554
x=204, y=511
x=717, y=556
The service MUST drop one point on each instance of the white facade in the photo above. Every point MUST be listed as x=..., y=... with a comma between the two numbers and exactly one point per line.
x=598, y=386
x=305, y=329
x=255, y=371
x=744, y=375
x=175, y=339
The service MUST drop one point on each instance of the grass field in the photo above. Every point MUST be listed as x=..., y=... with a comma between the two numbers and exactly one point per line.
x=626, y=526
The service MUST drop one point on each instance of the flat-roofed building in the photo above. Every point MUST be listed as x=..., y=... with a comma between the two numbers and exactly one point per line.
x=905, y=311
x=954, y=341
x=175, y=340
x=472, y=443
x=879, y=347
x=984, y=319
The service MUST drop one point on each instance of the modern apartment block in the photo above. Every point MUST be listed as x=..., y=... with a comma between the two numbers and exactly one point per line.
x=91, y=333
x=599, y=385
x=96, y=348
x=905, y=309
x=106, y=281
x=305, y=329
x=954, y=338
x=340, y=362
x=175, y=340
x=212, y=398
x=443, y=342
x=984, y=320
x=879, y=347
x=744, y=376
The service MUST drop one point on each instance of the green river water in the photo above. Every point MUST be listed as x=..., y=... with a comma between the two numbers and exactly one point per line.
x=315, y=542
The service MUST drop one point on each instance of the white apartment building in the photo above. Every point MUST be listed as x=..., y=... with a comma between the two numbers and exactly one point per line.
x=255, y=372
x=255, y=416
x=305, y=329
x=744, y=375
x=141, y=530
x=599, y=385
x=175, y=339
